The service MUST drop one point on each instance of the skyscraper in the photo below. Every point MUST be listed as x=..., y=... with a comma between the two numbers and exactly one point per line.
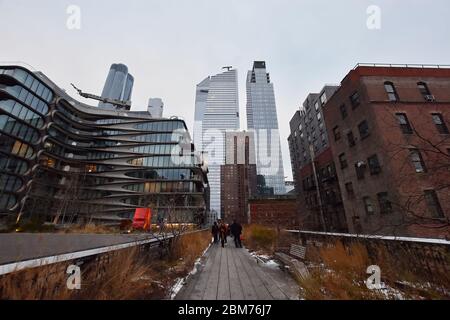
x=238, y=176
x=118, y=85
x=262, y=118
x=155, y=107
x=216, y=112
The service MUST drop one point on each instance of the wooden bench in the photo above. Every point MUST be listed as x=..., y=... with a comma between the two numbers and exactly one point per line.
x=297, y=267
x=298, y=251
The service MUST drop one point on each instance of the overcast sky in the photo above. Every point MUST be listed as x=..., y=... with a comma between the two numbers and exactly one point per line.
x=170, y=46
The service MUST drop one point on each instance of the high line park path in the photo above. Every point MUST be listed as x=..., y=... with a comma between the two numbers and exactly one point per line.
x=234, y=274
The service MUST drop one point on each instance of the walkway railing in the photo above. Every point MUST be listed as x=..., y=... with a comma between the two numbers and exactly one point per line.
x=423, y=255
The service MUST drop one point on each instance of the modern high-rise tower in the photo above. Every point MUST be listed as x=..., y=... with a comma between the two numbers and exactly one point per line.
x=155, y=107
x=216, y=112
x=118, y=85
x=262, y=119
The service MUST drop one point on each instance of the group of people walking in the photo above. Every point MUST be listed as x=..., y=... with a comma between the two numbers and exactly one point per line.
x=220, y=232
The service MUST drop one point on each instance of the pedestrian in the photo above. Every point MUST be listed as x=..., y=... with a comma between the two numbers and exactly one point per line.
x=236, y=231
x=223, y=233
x=227, y=231
x=215, y=232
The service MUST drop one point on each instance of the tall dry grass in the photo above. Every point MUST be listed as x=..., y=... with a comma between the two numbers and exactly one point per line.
x=188, y=248
x=127, y=274
x=260, y=238
x=338, y=271
x=340, y=275
x=91, y=228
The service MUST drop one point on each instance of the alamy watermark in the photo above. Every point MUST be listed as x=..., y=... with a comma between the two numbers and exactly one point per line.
x=374, y=17
x=374, y=281
x=74, y=280
x=74, y=17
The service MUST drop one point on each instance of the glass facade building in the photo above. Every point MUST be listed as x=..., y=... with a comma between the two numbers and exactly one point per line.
x=118, y=85
x=262, y=119
x=216, y=112
x=65, y=161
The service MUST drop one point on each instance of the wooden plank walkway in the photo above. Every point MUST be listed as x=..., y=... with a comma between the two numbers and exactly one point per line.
x=233, y=274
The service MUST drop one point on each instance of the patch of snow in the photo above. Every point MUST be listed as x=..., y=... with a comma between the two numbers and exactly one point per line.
x=180, y=282
x=176, y=288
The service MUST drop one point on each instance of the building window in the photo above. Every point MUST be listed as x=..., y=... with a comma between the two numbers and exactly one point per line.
x=374, y=165
x=368, y=205
x=433, y=204
x=343, y=109
x=417, y=160
x=360, y=168
x=324, y=139
x=384, y=203
x=404, y=123
x=423, y=88
x=391, y=92
x=337, y=133
x=349, y=189
x=351, y=139
x=323, y=98
x=355, y=99
x=316, y=105
x=343, y=161
x=363, y=128
x=319, y=116
x=439, y=122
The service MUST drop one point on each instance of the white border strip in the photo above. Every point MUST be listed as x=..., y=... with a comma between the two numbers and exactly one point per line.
x=33, y=263
x=376, y=237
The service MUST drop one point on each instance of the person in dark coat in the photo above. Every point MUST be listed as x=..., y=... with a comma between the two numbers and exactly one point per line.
x=236, y=231
x=215, y=232
x=223, y=233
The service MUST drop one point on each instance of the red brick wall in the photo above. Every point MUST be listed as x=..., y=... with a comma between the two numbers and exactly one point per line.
x=274, y=212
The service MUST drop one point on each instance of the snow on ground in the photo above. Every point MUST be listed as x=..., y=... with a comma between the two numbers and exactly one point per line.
x=180, y=282
x=265, y=260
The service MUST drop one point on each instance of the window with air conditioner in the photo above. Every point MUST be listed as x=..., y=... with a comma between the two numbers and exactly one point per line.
x=368, y=205
x=426, y=94
x=417, y=160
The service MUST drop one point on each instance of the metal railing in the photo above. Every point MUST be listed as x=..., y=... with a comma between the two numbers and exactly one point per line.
x=374, y=237
x=399, y=65
x=154, y=241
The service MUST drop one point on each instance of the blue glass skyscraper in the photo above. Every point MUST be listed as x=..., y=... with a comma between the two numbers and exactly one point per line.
x=262, y=119
x=118, y=85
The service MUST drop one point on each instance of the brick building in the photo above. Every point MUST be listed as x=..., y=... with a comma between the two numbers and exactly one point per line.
x=274, y=211
x=324, y=202
x=390, y=141
x=238, y=176
x=319, y=208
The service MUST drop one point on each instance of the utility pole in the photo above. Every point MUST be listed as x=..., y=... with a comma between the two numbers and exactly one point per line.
x=319, y=197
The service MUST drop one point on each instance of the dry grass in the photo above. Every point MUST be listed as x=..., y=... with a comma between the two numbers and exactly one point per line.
x=260, y=238
x=339, y=272
x=189, y=247
x=127, y=275
x=91, y=228
x=341, y=275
